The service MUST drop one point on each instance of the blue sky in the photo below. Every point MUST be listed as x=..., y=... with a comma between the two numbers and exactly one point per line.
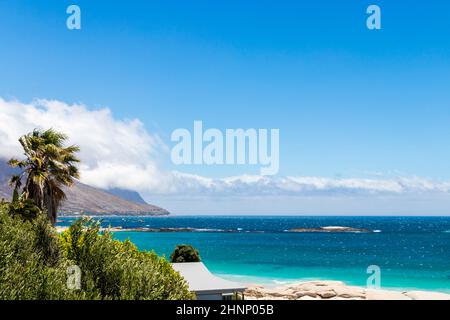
x=349, y=102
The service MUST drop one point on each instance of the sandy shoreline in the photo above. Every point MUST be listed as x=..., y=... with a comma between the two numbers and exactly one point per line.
x=336, y=290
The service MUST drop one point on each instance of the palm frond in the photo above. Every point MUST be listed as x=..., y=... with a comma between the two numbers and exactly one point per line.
x=15, y=182
x=48, y=166
x=16, y=163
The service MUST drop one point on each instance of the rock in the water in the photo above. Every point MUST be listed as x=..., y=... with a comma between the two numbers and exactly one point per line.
x=330, y=229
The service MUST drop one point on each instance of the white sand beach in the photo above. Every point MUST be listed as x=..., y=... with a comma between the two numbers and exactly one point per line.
x=335, y=290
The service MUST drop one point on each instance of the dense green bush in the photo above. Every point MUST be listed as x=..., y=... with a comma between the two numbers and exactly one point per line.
x=34, y=262
x=28, y=268
x=185, y=253
x=118, y=270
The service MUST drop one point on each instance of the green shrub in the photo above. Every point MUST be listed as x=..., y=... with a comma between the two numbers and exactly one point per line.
x=27, y=270
x=34, y=262
x=113, y=269
x=184, y=253
x=23, y=208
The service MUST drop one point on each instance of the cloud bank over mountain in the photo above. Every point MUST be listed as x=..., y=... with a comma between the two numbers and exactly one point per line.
x=121, y=153
x=114, y=153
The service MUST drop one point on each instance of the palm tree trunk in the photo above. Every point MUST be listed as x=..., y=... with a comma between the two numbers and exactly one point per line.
x=50, y=206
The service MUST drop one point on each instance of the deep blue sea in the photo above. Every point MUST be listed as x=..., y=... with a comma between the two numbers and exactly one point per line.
x=412, y=252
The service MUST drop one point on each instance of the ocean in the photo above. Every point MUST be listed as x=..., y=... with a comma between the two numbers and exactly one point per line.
x=411, y=252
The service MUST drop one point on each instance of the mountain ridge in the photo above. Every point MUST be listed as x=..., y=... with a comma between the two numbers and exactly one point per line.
x=129, y=195
x=85, y=199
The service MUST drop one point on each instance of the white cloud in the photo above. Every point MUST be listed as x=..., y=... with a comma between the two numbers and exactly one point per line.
x=307, y=186
x=122, y=153
x=114, y=153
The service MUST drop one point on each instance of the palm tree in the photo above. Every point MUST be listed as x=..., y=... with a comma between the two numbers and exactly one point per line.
x=47, y=168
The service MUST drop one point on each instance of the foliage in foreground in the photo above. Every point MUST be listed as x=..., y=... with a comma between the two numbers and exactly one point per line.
x=31, y=266
x=34, y=262
x=118, y=270
x=184, y=253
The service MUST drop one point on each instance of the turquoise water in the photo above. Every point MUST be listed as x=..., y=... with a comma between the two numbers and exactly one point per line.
x=412, y=252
